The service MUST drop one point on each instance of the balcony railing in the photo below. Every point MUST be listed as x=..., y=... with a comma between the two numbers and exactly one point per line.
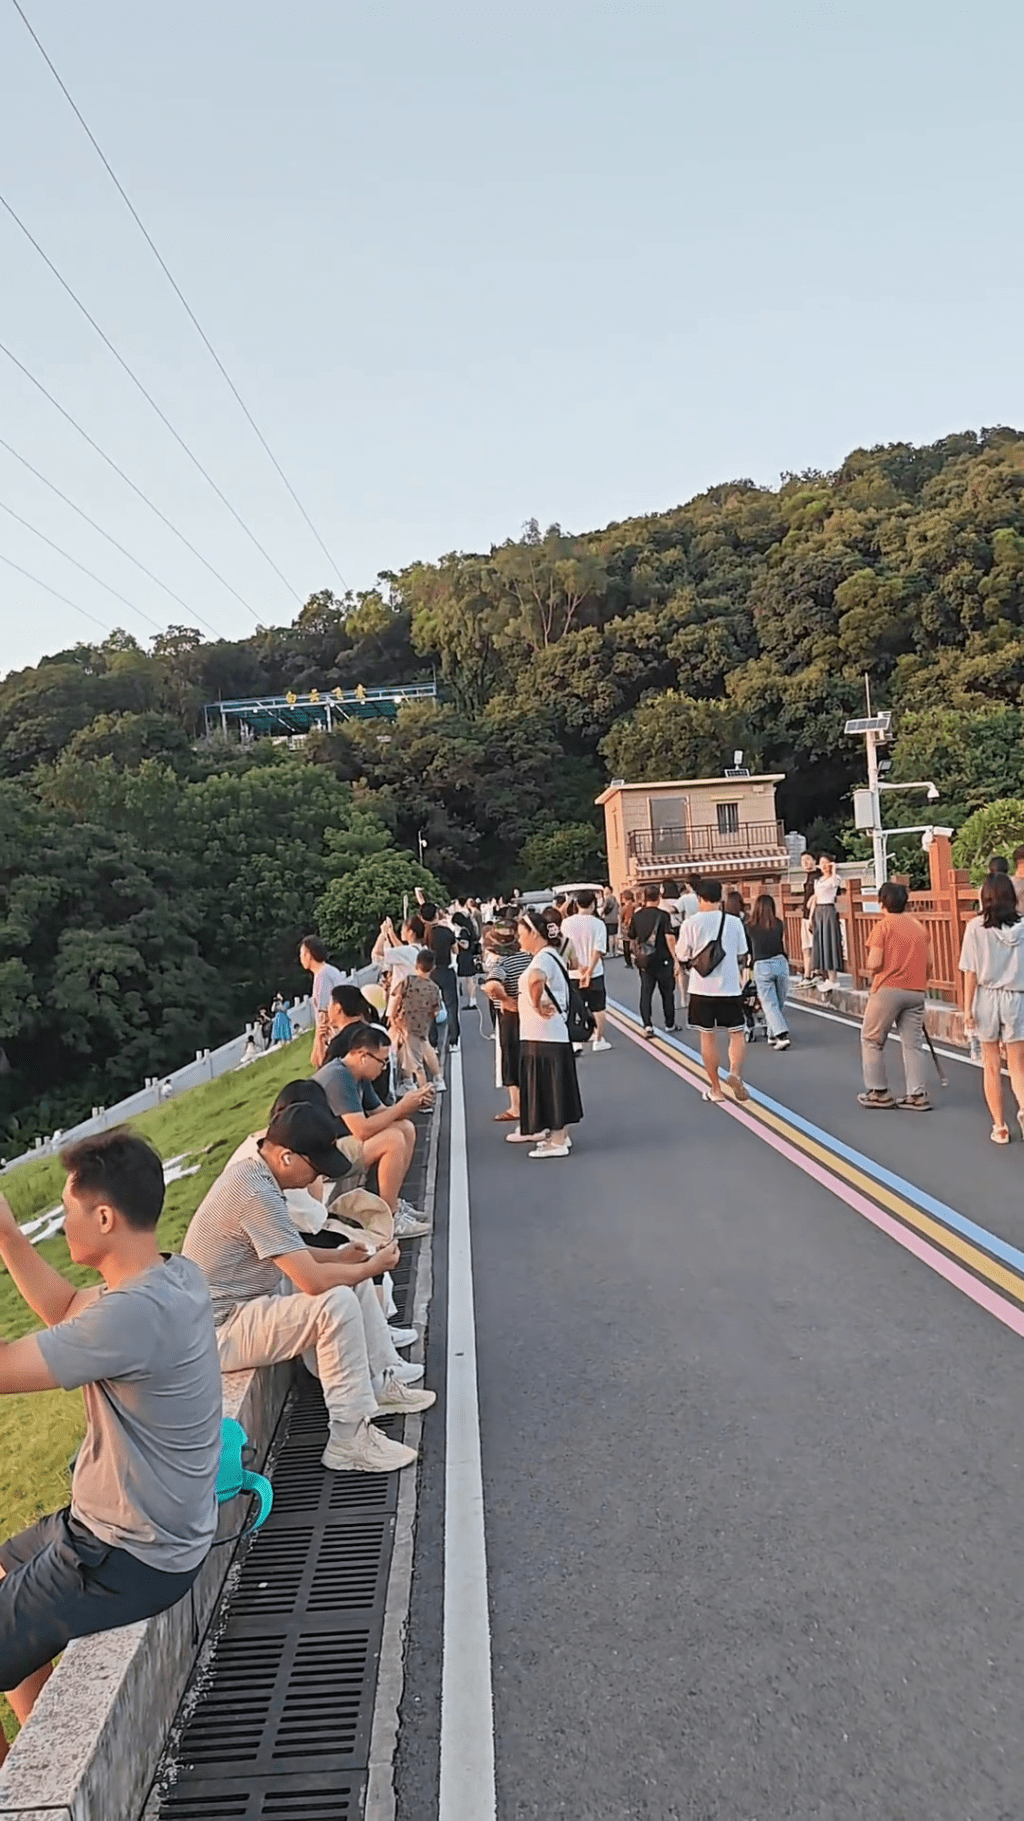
x=662, y=849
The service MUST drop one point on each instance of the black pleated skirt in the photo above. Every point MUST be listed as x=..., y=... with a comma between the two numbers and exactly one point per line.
x=508, y=1040
x=549, y=1093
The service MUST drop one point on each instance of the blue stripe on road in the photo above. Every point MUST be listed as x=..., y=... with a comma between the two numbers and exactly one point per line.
x=949, y=1216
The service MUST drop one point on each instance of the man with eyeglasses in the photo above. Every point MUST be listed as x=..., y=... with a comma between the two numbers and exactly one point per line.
x=387, y=1134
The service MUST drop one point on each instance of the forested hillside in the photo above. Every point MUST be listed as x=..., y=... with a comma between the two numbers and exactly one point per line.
x=153, y=881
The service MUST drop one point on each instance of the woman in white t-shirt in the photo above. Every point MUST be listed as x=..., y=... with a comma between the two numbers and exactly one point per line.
x=549, y=1094
x=827, y=950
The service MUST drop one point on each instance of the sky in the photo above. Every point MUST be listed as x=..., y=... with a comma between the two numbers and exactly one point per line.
x=469, y=265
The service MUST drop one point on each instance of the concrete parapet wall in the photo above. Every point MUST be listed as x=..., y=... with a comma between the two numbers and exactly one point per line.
x=91, y=1748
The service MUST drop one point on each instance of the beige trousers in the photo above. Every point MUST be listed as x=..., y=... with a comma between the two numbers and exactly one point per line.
x=343, y=1331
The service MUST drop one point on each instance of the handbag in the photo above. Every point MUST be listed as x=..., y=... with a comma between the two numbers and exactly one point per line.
x=712, y=954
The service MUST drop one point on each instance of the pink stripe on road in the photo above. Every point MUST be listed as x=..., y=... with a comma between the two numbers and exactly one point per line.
x=986, y=1298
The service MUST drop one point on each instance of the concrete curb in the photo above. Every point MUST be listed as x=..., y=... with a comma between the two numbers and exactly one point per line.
x=945, y=1022
x=96, y=1736
x=380, y=1788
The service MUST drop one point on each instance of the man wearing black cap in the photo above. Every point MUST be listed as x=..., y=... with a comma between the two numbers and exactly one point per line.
x=244, y=1240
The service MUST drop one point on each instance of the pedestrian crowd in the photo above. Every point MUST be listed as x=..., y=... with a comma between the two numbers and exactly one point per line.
x=289, y=1255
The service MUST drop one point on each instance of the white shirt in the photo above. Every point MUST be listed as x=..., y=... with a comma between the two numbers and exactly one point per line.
x=532, y=1027
x=589, y=938
x=324, y=983
x=688, y=905
x=695, y=934
x=827, y=890
x=399, y=962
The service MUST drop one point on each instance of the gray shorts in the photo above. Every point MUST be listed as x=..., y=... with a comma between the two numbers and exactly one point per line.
x=999, y=1015
x=60, y=1582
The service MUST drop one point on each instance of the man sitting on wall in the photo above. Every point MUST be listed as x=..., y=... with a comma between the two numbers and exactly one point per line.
x=387, y=1133
x=243, y=1238
x=143, y=1508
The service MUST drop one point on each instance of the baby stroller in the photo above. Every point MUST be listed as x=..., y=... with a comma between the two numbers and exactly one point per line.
x=755, y=1024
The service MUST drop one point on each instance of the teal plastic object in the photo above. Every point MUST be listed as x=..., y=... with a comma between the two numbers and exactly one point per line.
x=234, y=1478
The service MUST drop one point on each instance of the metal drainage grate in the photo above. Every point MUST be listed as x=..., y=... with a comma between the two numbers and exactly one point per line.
x=291, y=1683
x=311, y=1797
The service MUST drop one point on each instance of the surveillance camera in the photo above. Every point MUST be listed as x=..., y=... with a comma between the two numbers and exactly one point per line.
x=932, y=794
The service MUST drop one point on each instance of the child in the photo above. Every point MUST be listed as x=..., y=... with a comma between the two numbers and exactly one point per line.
x=415, y=1003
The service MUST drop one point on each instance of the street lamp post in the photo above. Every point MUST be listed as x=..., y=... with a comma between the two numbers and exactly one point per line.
x=867, y=804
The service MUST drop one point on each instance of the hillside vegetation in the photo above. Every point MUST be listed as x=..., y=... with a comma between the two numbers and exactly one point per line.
x=153, y=882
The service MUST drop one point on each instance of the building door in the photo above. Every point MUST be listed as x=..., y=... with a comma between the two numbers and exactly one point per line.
x=668, y=827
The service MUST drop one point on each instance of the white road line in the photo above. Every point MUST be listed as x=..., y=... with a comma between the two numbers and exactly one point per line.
x=467, y=1710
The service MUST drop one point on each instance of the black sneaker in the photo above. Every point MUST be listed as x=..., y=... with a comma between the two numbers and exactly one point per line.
x=648, y=1030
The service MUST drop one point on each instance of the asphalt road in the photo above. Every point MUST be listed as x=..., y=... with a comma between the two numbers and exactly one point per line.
x=752, y=1473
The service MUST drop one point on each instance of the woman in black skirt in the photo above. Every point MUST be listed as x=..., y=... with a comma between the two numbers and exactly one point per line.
x=549, y=1095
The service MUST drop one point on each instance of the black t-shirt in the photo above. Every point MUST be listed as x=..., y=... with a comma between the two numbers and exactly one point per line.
x=649, y=924
x=766, y=943
x=442, y=940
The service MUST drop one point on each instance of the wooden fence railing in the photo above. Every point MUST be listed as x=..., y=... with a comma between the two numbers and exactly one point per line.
x=945, y=909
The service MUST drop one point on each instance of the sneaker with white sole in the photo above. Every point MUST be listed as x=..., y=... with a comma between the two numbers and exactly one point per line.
x=394, y=1398
x=369, y=1451
x=405, y=1207
x=406, y=1371
x=410, y=1225
x=551, y=1150
x=403, y=1337
x=600, y=1043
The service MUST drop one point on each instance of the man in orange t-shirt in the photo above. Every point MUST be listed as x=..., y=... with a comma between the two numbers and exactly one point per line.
x=898, y=964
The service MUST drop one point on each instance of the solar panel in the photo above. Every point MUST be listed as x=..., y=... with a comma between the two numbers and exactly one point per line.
x=870, y=723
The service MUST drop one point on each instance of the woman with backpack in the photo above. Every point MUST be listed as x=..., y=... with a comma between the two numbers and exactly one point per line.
x=549, y=1094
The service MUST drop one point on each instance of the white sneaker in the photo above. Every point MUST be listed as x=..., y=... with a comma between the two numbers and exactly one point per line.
x=369, y=1452
x=551, y=1150
x=600, y=1043
x=394, y=1396
x=406, y=1371
x=405, y=1207
x=403, y=1337
x=410, y=1226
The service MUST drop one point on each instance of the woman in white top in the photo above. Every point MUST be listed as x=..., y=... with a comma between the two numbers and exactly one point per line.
x=827, y=951
x=992, y=964
x=549, y=1094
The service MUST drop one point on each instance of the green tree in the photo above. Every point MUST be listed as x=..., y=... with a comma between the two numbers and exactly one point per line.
x=995, y=830
x=349, y=913
x=555, y=856
x=673, y=736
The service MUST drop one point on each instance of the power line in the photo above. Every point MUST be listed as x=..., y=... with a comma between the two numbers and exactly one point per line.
x=148, y=396
x=57, y=597
x=4, y=349
x=73, y=559
x=165, y=269
x=110, y=540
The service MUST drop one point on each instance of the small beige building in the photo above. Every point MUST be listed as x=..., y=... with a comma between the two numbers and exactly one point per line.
x=725, y=828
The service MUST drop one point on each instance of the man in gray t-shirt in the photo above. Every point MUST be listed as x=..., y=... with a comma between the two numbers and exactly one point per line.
x=142, y=1346
x=277, y=1298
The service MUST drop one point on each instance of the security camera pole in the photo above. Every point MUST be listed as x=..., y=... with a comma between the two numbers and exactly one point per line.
x=867, y=804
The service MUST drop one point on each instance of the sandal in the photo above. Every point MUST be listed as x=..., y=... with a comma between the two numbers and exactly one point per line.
x=737, y=1087
x=715, y=1099
x=1000, y=1134
x=505, y=1118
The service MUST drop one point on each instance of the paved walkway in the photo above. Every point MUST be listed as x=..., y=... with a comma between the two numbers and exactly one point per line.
x=752, y=1448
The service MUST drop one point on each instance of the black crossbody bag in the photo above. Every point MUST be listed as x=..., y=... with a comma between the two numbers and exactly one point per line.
x=712, y=954
x=578, y=1016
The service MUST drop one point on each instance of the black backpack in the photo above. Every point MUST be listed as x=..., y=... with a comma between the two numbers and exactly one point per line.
x=578, y=1016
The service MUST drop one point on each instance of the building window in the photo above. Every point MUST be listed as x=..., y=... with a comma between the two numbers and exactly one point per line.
x=728, y=818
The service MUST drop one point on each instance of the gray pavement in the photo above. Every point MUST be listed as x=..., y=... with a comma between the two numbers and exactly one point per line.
x=752, y=1473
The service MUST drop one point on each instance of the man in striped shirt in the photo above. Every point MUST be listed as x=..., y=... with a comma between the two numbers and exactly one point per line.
x=276, y=1298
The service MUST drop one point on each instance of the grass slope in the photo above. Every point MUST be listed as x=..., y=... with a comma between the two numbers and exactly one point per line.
x=39, y=1434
